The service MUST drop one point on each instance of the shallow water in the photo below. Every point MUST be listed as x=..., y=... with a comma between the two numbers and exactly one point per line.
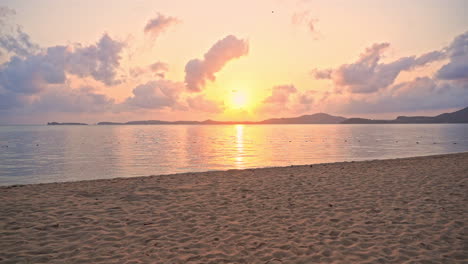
x=38, y=154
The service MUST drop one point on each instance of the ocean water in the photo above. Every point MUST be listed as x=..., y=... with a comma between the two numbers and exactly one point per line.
x=40, y=154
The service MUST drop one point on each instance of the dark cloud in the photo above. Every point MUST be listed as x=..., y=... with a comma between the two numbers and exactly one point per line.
x=197, y=71
x=159, y=24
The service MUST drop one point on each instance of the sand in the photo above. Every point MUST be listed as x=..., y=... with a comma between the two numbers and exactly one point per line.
x=411, y=210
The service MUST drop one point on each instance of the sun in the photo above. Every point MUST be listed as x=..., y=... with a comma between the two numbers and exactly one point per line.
x=239, y=99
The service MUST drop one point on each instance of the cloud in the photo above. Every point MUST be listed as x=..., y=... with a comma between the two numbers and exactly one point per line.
x=159, y=24
x=9, y=100
x=305, y=18
x=321, y=74
x=136, y=72
x=304, y=102
x=166, y=94
x=156, y=95
x=368, y=75
x=159, y=68
x=280, y=94
x=99, y=61
x=56, y=99
x=12, y=38
x=202, y=104
x=420, y=94
x=457, y=68
x=357, y=83
x=32, y=73
x=430, y=57
x=81, y=100
x=36, y=81
x=5, y=12
x=198, y=72
x=288, y=99
x=18, y=43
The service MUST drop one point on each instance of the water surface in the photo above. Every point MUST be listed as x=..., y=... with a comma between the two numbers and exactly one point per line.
x=38, y=154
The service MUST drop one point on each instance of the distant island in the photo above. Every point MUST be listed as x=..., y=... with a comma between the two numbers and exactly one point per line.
x=460, y=116
x=319, y=118
x=66, y=124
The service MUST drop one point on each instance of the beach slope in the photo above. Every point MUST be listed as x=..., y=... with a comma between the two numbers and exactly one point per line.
x=411, y=210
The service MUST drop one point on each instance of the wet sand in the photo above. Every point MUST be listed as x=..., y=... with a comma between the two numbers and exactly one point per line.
x=411, y=210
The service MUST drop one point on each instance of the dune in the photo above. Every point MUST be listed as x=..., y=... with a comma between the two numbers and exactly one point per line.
x=410, y=210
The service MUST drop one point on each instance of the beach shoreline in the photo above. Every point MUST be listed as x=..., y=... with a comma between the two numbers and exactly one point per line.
x=378, y=211
x=222, y=171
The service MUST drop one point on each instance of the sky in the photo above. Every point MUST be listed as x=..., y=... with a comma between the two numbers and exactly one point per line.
x=121, y=60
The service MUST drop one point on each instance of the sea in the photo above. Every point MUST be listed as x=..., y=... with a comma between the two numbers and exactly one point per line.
x=43, y=154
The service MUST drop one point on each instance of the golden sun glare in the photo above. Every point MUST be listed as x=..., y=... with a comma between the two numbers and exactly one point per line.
x=239, y=99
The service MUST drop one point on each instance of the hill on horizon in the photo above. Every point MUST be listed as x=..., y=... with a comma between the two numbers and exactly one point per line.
x=460, y=116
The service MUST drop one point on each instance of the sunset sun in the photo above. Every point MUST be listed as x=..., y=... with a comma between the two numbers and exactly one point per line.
x=239, y=99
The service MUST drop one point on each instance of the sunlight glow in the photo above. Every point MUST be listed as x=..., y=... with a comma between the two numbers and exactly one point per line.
x=239, y=99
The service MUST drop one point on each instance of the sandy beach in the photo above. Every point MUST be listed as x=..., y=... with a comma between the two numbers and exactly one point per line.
x=411, y=210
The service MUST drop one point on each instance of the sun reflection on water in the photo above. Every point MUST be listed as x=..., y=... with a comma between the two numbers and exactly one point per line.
x=239, y=160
